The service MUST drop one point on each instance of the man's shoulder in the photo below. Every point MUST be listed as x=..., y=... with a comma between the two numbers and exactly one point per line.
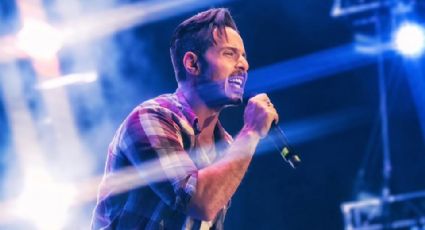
x=165, y=100
x=165, y=103
x=165, y=108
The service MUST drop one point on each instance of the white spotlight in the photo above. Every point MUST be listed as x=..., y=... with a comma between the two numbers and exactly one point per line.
x=77, y=78
x=409, y=40
x=43, y=202
x=39, y=40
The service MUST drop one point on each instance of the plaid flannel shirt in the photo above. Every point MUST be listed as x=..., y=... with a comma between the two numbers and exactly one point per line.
x=164, y=130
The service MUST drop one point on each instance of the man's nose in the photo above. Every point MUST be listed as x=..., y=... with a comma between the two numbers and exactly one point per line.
x=243, y=64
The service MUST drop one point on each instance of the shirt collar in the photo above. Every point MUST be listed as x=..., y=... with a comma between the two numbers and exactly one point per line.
x=188, y=111
x=220, y=134
x=193, y=119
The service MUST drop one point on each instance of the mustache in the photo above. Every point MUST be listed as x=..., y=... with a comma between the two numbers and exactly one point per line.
x=239, y=73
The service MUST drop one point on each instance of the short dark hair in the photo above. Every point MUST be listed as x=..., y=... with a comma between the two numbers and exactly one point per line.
x=196, y=34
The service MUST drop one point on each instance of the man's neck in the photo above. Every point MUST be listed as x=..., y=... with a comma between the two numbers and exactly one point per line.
x=207, y=117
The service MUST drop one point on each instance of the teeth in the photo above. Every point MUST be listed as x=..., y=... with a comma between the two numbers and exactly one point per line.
x=236, y=80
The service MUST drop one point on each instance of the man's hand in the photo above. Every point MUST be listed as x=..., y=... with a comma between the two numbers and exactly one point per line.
x=259, y=115
x=218, y=182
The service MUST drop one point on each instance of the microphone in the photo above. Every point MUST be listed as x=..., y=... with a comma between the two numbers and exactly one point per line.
x=280, y=141
x=281, y=144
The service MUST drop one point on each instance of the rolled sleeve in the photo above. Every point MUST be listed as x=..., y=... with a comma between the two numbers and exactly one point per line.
x=152, y=137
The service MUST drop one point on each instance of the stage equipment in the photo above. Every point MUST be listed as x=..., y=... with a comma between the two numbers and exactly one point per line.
x=385, y=29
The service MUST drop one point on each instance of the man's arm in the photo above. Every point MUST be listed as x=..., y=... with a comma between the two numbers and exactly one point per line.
x=219, y=181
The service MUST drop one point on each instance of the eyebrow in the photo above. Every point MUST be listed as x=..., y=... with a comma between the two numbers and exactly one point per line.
x=235, y=50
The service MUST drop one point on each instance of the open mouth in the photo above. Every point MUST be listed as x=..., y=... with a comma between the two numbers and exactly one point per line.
x=237, y=81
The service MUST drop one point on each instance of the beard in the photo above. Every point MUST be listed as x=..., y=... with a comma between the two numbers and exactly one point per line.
x=218, y=94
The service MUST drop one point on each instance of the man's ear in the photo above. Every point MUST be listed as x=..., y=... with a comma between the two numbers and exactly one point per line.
x=190, y=62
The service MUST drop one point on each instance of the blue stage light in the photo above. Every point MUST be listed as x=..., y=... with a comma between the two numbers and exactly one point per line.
x=409, y=40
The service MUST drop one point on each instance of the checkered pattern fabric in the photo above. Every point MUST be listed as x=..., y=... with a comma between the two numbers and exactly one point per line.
x=162, y=130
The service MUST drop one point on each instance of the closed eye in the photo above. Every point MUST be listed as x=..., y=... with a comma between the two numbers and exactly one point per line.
x=229, y=53
x=233, y=53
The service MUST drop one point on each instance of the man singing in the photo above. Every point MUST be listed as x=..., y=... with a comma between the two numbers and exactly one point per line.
x=200, y=164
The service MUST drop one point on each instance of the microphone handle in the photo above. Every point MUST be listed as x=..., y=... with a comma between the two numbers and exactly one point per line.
x=281, y=143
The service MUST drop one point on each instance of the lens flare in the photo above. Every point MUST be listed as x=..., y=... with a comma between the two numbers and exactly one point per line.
x=44, y=202
x=39, y=40
x=410, y=40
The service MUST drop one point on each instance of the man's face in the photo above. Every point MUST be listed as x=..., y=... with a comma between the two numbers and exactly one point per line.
x=223, y=79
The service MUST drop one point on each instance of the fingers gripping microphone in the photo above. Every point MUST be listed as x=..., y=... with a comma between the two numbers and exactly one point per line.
x=281, y=144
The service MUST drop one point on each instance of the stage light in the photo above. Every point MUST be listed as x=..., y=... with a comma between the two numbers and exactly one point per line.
x=70, y=79
x=43, y=202
x=39, y=40
x=409, y=40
